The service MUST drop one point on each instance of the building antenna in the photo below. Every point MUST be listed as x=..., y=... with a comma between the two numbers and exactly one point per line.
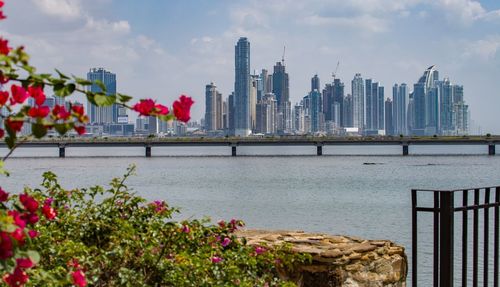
x=283, y=57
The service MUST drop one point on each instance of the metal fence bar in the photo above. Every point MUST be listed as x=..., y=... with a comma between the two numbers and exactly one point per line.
x=495, y=264
x=436, y=240
x=446, y=239
x=475, y=251
x=464, y=238
x=486, y=235
x=414, y=238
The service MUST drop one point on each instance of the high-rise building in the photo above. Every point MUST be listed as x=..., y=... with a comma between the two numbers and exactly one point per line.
x=380, y=108
x=358, y=102
x=213, y=108
x=446, y=107
x=315, y=111
x=424, y=102
x=299, y=119
x=230, y=114
x=338, y=99
x=389, y=128
x=266, y=113
x=399, y=106
x=348, y=112
x=315, y=84
x=282, y=92
x=254, y=81
x=461, y=118
x=242, y=124
x=102, y=115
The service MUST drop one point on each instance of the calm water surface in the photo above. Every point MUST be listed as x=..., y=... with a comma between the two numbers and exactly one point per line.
x=338, y=194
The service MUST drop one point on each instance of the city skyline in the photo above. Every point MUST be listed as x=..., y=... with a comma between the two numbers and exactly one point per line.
x=391, y=42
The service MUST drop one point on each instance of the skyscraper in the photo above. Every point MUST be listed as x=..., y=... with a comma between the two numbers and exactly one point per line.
x=446, y=107
x=213, y=108
x=315, y=84
x=315, y=111
x=422, y=103
x=380, y=108
x=242, y=124
x=102, y=115
x=389, y=128
x=282, y=92
x=266, y=113
x=348, y=112
x=399, y=107
x=358, y=102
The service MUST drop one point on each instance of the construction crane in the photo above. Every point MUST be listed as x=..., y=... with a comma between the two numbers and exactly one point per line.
x=334, y=74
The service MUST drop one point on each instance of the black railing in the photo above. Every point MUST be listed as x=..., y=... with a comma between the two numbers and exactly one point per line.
x=444, y=210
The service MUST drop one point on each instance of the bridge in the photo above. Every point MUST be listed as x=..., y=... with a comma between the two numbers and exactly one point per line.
x=233, y=142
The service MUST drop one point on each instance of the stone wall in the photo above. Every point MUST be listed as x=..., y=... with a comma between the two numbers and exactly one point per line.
x=339, y=260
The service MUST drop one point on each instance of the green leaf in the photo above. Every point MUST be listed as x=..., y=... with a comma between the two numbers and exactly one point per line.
x=2, y=169
x=100, y=85
x=82, y=82
x=10, y=141
x=34, y=256
x=38, y=130
x=62, y=90
x=91, y=97
x=61, y=128
x=61, y=75
x=166, y=118
x=102, y=100
x=123, y=98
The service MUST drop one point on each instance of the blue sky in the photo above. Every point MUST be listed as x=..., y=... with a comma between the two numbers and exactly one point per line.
x=160, y=49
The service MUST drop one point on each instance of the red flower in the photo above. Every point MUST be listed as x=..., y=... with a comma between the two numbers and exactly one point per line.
x=4, y=44
x=60, y=113
x=24, y=263
x=18, y=235
x=80, y=129
x=19, y=94
x=2, y=16
x=3, y=79
x=28, y=202
x=49, y=212
x=16, y=279
x=2, y=133
x=36, y=93
x=32, y=218
x=4, y=96
x=33, y=233
x=6, y=245
x=144, y=107
x=19, y=220
x=79, y=278
x=14, y=125
x=161, y=109
x=3, y=195
x=216, y=259
x=40, y=112
x=182, y=108
x=78, y=110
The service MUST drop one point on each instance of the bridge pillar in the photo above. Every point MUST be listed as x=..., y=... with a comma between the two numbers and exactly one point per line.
x=62, y=151
x=148, y=151
x=491, y=149
x=233, y=150
x=405, y=149
x=319, y=149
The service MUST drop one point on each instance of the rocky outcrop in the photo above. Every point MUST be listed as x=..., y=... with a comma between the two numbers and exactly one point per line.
x=338, y=260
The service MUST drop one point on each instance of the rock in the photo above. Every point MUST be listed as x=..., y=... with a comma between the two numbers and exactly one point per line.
x=338, y=260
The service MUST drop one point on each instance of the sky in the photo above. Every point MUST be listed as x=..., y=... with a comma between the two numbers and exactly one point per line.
x=161, y=49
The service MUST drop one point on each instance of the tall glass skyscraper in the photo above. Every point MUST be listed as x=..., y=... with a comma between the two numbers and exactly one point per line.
x=425, y=102
x=242, y=88
x=358, y=102
x=102, y=115
x=399, y=106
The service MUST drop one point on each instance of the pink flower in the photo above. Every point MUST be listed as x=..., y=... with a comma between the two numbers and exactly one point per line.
x=259, y=250
x=28, y=202
x=6, y=246
x=33, y=233
x=3, y=195
x=216, y=259
x=226, y=242
x=24, y=263
x=182, y=108
x=79, y=278
x=19, y=219
x=49, y=212
x=186, y=229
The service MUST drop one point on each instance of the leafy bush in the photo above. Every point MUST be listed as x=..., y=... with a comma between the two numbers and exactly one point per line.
x=115, y=238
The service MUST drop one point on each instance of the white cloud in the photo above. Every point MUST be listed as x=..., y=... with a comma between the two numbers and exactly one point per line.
x=486, y=49
x=465, y=11
x=365, y=23
x=120, y=27
x=63, y=9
